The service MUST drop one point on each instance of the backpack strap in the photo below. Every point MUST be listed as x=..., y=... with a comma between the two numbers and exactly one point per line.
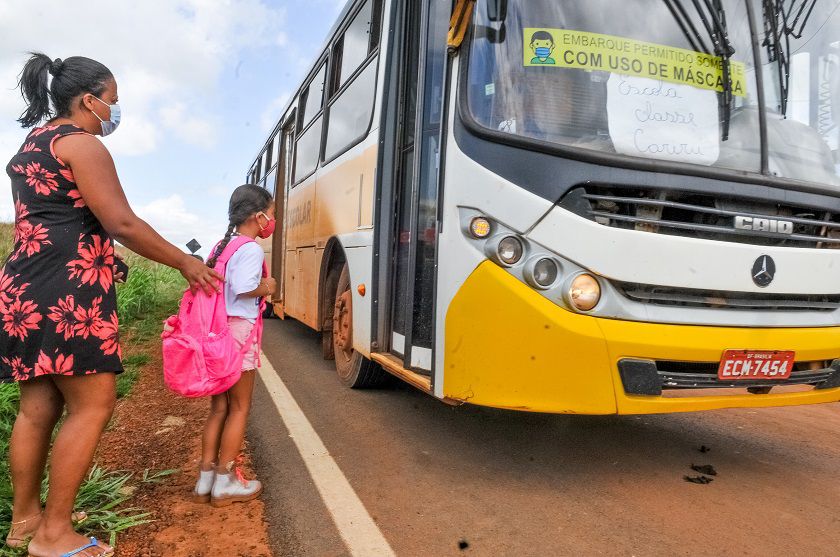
x=233, y=246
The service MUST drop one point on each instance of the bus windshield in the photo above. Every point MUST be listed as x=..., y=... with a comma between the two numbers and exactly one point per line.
x=665, y=80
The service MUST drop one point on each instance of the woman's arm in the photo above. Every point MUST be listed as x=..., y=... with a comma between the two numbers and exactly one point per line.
x=97, y=180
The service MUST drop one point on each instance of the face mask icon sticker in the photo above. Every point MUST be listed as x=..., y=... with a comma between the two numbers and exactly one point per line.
x=542, y=44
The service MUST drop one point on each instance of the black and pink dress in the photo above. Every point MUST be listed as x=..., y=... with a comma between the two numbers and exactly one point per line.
x=58, y=302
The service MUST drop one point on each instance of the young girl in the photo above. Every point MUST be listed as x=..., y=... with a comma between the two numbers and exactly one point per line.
x=220, y=481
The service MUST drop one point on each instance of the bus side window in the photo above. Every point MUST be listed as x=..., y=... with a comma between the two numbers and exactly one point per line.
x=353, y=48
x=268, y=156
x=353, y=88
x=312, y=98
x=258, y=170
x=308, y=145
x=270, y=182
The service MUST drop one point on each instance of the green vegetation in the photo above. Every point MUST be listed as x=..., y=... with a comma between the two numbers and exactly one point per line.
x=150, y=294
x=132, y=364
x=150, y=289
x=7, y=234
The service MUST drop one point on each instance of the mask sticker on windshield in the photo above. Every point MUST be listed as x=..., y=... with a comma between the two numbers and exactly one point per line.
x=564, y=48
x=542, y=46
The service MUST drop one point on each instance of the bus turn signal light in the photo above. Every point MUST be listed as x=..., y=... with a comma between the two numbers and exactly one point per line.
x=585, y=292
x=480, y=227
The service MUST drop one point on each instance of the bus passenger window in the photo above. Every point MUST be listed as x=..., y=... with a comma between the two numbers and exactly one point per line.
x=350, y=113
x=353, y=48
x=308, y=149
x=268, y=156
x=312, y=99
x=270, y=182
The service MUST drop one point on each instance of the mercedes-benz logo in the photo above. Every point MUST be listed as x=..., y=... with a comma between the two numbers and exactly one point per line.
x=763, y=271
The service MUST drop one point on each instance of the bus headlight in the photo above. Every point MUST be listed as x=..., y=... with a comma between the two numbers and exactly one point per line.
x=480, y=227
x=542, y=272
x=584, y=292
x=510, y=250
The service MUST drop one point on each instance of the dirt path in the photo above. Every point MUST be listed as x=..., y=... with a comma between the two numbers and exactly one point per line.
x=156, y=430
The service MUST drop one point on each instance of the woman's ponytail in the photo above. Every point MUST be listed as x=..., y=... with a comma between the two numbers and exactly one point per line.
x=72, y=77
x=33, y=83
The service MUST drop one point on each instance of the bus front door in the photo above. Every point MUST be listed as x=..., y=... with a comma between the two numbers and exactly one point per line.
x=416, y=158
x=278, y=251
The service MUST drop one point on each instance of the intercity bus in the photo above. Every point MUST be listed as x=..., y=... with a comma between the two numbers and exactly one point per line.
x=592, y=207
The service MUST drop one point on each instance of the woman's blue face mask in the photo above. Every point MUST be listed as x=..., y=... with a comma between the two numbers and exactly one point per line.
x=542, y=52
x=111, y=124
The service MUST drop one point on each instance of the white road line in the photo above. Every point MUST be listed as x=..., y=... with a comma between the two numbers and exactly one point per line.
x=357, y=528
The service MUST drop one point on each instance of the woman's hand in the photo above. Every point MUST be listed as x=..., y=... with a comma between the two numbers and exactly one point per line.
x=119, y=276
x=200, y=275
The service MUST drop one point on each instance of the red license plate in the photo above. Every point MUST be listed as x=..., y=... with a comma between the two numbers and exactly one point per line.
x=739, y=365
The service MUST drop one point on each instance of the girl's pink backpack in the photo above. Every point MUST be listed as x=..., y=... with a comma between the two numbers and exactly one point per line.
x=200, y=356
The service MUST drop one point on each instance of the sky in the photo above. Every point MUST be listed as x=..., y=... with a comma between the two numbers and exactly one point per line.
x=201, y=84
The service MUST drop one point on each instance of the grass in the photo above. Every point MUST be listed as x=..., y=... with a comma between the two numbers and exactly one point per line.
x=150, y=294
x=132, y=364
x=7, y=234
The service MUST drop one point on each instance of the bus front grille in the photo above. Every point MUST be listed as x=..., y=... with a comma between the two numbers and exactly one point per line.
x=688, y=297
x=652, y=377
x=705, y=216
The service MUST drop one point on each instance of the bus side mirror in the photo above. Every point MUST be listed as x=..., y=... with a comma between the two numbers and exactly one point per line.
x=497, y=10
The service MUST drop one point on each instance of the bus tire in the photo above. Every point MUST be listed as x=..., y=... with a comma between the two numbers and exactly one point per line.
x=328, y=307
x=354, y=370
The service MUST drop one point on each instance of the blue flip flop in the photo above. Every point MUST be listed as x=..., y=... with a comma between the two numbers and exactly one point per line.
x=93, y=543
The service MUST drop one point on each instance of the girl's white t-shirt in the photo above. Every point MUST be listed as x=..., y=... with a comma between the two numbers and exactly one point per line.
x=243, y=274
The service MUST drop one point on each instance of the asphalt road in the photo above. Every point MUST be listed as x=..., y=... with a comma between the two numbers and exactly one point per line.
x=507, y=483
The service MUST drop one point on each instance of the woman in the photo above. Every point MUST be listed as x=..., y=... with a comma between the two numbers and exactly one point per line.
x=59, y=335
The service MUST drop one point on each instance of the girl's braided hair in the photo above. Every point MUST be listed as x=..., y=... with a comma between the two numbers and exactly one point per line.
x=244, y=202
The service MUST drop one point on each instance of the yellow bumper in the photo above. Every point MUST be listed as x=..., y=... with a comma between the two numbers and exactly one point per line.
x=507, y=346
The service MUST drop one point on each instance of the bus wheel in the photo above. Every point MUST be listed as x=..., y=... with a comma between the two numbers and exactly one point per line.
x=353, y=369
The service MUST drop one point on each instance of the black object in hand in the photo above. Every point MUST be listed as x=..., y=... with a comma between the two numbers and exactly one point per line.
x=121, y=266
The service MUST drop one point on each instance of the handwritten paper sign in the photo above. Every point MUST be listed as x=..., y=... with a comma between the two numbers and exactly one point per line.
x=661, y=120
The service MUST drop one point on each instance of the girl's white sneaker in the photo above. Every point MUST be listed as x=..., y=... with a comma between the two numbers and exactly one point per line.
x=204, y=485
x=233, y=488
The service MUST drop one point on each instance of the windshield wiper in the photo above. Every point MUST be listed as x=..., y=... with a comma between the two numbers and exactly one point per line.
x=715, y=25
x=687, y=26
x=780, y=24
x=713, y=17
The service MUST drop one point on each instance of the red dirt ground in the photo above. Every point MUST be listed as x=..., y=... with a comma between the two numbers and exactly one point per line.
x=157, y=430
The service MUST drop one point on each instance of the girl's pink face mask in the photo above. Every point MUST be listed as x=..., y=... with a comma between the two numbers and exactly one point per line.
x=268, y=229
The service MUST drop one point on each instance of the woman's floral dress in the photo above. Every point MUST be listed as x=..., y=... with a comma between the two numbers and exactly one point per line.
x=58, y=303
